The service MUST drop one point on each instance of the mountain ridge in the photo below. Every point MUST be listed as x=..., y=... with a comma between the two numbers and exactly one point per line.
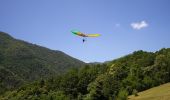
x=24, y=61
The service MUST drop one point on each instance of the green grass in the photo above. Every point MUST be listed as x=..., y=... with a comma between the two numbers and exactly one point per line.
x=161, y=92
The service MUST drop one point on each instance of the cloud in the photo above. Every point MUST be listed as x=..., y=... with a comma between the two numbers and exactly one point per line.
x=139, y=25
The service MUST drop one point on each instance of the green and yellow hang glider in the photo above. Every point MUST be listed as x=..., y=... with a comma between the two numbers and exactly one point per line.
x=83, y=34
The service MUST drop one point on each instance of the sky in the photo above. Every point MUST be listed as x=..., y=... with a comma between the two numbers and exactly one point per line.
x=125, y=25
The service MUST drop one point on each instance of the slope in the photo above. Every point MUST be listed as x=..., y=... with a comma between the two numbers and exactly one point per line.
x=23, y=62
x=161, y=92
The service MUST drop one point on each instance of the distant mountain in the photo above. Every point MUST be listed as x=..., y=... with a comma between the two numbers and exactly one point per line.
x=21, y=61
x=94, y=63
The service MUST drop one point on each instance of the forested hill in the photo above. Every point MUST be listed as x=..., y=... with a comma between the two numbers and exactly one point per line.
x=21, y=61
x=114, y=80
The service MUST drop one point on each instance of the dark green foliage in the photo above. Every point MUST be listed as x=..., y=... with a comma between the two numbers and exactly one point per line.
x=113, y=80
x=104, y=87
x=62, y=87
x=24, y=62
x=122, y=95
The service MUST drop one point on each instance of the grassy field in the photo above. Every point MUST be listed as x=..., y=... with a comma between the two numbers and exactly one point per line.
x=161, y=92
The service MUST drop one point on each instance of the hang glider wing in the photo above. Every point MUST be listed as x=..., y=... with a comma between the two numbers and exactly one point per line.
x=78, y=33
x=93, y=35
x=84, y=35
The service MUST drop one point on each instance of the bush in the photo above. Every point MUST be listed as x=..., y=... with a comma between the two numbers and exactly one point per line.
x=122, y=95
x=135, y=92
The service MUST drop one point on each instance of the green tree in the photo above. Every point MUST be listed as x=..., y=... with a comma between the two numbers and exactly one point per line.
x=122, y=95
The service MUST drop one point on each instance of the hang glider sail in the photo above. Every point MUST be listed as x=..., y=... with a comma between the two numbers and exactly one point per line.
x=84, y=35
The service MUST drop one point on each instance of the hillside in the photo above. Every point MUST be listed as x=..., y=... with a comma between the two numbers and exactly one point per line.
x=21, y=61
x=161, y=92
x=113, y=80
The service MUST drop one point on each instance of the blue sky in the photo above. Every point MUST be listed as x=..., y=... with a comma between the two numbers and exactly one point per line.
x=125, y=25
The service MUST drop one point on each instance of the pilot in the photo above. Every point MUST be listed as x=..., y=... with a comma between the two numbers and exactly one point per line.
x=84, y=40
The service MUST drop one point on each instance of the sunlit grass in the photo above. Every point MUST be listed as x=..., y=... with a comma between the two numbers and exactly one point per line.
x=161, y=92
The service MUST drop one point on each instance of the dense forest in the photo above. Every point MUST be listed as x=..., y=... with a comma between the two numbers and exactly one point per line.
x=113, y=80
x=22, y=62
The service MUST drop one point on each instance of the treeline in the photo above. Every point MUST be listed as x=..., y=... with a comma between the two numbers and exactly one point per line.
x=70, y=85
x=113, y=80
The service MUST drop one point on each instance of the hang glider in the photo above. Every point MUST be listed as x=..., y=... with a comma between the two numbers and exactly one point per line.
x=84, y=35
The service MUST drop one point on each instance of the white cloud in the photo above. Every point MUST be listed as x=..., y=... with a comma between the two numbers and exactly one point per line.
x=139, y=25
